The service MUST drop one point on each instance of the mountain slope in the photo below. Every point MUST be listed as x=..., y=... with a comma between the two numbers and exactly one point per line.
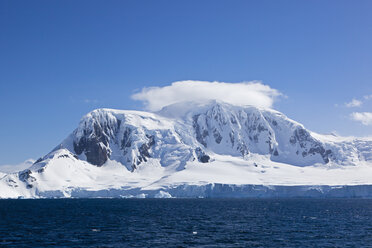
x=129, y=152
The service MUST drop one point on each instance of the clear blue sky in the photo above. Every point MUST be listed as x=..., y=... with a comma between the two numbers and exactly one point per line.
x=62, y=59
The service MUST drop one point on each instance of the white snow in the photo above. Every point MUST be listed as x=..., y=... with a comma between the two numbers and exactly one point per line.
x=240, y=142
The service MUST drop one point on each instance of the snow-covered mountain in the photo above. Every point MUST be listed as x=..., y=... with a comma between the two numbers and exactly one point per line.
x=188, y=149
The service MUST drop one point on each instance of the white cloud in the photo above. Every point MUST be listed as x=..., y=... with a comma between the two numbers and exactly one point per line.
x=354, y=103
x=367, y=97
x=90, y=101
x=364, y=117
x=16, y=167
x=358, y=103
x=244, y=93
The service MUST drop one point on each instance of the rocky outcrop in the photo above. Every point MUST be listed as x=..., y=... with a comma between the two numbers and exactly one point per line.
x=26, y=177
x=93, y=136
x=202, y=156
x=308, y=146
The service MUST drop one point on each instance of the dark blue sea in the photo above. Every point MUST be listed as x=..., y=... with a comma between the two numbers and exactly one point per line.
x=186, y=223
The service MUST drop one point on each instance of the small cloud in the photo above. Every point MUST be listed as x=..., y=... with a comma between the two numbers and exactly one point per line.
x=244, y=93
x=88, y=101
x=364, y=117
x=367, y=97
x=16, y=167
x=354, y=103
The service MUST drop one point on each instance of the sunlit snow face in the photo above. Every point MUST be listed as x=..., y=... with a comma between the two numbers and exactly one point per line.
x=244, y=93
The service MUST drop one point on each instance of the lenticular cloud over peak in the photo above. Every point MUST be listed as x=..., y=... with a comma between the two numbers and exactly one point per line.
x=244, y=93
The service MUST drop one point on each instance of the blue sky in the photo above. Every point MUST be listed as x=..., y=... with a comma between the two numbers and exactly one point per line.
x=62, y=59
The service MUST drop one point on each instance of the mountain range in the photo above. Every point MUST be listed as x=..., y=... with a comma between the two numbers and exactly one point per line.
x=196, y=149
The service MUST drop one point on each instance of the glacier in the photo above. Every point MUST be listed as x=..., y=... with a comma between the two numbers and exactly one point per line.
x=196, y=149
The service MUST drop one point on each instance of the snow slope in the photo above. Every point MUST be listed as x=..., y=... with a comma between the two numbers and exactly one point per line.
x=189, y=149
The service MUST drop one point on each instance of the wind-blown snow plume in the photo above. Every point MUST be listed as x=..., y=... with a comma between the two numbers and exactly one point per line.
x=244, y=93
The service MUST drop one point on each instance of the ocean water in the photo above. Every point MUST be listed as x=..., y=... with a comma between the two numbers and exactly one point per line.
x=186, y=223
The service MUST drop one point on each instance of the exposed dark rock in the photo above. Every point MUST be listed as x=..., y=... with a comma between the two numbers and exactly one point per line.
x=243, y=149
x=25, y=176
x=126, y=141
x=216, y=113
x=305, y=140
x=217, y=136
x=261, y=128
x=232, y=138
x=38, y=160
x=302, y=136
x=276, y=153
x=292, y=140
x=96, y=153
x=144, y=151
x=201, y=155
x=233, y=120
x=118, y=123
x=12, y=183
x=94, y=144
x=200, y=134
x=63, y=156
